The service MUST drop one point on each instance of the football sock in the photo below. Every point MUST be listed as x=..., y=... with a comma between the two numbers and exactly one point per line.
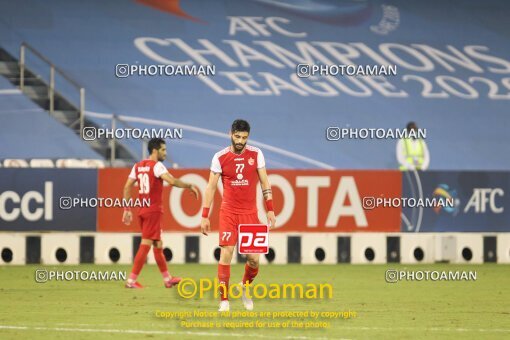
x=140, y=258
x=249, y=273
x=161, y=261
x=223, y=278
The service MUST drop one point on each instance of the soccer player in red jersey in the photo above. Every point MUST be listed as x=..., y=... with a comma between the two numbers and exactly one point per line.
x=150, y=174
x=240, y=166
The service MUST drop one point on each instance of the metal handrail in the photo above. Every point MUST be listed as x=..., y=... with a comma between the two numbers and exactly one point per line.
x=115, y=119
x=25, y=46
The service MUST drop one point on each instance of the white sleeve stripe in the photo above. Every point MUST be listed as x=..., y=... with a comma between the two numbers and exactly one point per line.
x=159, y=169
x=261, y=162
x=132, y=174
x=215, y=164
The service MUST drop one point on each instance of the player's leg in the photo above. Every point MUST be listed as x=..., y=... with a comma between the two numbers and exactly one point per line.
x=226, y=254
x=139, y=261
x=168, y=280
x=151, y=230
x=227, y=242
x=251, y=268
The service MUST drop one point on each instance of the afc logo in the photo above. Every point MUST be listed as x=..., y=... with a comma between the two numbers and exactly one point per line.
x=253, y=239
x=483, y=198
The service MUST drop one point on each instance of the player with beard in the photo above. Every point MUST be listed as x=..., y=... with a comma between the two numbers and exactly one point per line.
x=241, y=167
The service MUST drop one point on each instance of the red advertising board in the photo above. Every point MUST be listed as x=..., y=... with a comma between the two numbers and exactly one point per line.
x=304, y=201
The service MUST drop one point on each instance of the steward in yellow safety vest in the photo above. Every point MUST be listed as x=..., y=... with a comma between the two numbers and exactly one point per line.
x=412, y=152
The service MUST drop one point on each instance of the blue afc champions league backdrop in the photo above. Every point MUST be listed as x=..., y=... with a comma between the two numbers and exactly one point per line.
x=452, y=60
x=481, y=201
x=30, y=199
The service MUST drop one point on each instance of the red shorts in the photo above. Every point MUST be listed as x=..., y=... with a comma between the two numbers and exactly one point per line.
x=151, y=225
x=229, y=223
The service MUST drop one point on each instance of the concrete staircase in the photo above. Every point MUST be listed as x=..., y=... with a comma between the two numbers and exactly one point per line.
x=37, y=89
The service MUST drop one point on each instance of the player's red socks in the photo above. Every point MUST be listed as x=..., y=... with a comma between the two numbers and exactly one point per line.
x=140, y=258
x=161, y=261
x=223, y=278
x=249, y=273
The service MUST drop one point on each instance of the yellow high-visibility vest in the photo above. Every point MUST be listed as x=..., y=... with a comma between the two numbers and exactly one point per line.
x=414, y=153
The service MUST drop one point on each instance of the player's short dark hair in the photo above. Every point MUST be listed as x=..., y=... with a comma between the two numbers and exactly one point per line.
x=410, y=125
x=155, y=143
x=240, y=125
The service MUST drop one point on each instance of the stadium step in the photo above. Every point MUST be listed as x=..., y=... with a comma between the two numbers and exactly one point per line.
x=42, y=99
x=29, y=80
x=8, y=67
x=64, y=111
x=66, y=117
x=36, y=91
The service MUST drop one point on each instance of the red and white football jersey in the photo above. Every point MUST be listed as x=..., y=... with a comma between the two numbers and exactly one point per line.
x=239, y=177
x=148, y=174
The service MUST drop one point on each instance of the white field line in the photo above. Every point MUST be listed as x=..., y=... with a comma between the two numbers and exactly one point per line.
x=155, y=332
x=360, y=328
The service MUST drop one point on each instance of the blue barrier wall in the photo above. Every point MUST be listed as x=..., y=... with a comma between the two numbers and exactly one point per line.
x=481, y=201
x=35, y=199
x=30, y=199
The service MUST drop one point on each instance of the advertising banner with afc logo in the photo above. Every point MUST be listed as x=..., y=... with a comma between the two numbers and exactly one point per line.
x=304, y=201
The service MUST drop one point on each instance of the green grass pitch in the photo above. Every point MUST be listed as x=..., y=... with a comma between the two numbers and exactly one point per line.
x=417, y=309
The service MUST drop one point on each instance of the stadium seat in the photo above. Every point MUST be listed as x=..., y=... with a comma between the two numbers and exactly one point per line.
x=80, y=163
x=93, y=163
x=41, y=163
x=68, y=163
x=15, y=163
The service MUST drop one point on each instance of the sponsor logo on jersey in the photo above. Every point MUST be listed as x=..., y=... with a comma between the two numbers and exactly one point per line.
x=240, y=182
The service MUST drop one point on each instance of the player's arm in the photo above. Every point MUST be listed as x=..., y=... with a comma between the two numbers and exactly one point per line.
x=176, y=182
x=205, y=225
x=268, y=196
x=127, y=217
